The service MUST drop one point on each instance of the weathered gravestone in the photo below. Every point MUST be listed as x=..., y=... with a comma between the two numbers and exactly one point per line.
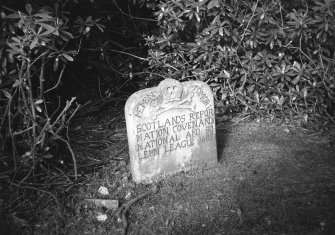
x=170, y=128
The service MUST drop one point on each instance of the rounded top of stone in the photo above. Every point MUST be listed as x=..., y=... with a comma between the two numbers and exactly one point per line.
x=168, y=82
x=171, y=89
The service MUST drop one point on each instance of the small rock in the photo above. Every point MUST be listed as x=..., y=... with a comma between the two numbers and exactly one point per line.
x=103, y=190
x=239, y=214
x=107, y=203
x=131, y=185
x=128, y=195
x=101, y=217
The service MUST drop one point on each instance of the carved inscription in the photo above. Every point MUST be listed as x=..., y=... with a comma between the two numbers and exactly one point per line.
x=174, y=133
x=170, y=128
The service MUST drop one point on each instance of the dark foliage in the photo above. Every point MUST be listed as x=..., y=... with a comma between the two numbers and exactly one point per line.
x=269, y=58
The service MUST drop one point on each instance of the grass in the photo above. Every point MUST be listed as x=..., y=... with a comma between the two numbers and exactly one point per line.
x=269, y=180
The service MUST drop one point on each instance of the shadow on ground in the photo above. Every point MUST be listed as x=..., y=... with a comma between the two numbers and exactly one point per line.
x=269, y=180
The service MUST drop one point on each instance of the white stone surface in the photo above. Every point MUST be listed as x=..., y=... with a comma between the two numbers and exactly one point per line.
x=170, y=128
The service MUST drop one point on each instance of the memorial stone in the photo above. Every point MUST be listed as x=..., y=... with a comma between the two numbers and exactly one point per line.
x=170, y=128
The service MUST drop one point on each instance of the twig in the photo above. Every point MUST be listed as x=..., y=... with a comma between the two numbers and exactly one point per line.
x=118, y=89
x=292, y=47
x=32, y=149
x=9, y=115
x=101, y=163
x=73, y=156
x=35, y=60
x=122, y=52
x=133, y=17
x=41, y=78
x=106, y=142
x=99, y=87
x=281, y=16
x=330, y=117
x=252, y=16
x=126, y=53
x=23, y=131
x=38, y=189
x=67, y=106
x=59, y=79
x=107, y=177
x=125, y=207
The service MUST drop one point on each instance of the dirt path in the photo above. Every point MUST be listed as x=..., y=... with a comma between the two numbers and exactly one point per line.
x=269, y=180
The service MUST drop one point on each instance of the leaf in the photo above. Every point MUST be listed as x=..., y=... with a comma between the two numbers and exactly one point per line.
x=271, y=44
x=43, y=15
x=14, y=46
x=33, y=43
x=88, y=19
x=71, y=52
x=56, y=64
x=39, y=30
x=296, y=80
x=28, y=8
x=200, y=58
x=13, y=16
x=40, y=101
x=160, y=16
x=47, y=156
x=6, y=93
x=67, y=34
x=69, y=58
x=38, y=108
x=16, y=40
x=80, y=20
x=213, y=3
x=221, y=31
x=226, y=74
x=197, y=16
x=226, y=32
x=50, y=29
x=100, y=27
x=214, y=31
x=254, y=7
x=17, y=82
x=41, y=20
x=304, y=92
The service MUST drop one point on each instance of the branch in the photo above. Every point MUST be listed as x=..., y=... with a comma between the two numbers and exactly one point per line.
x=125, y=207
x=252, y=16
x=133, y=17
x=59, y=79
x=37, y=189
x=126, y=53
x=72, y=154
x=67, y=106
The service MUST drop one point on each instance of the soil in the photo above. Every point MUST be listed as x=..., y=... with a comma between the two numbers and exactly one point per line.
x=270, y=179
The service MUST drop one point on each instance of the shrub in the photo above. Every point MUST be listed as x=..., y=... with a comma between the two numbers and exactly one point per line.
x=263, y=58
x=35, y=47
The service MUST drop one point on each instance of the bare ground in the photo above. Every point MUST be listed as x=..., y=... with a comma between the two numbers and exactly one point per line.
x=269, y=180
